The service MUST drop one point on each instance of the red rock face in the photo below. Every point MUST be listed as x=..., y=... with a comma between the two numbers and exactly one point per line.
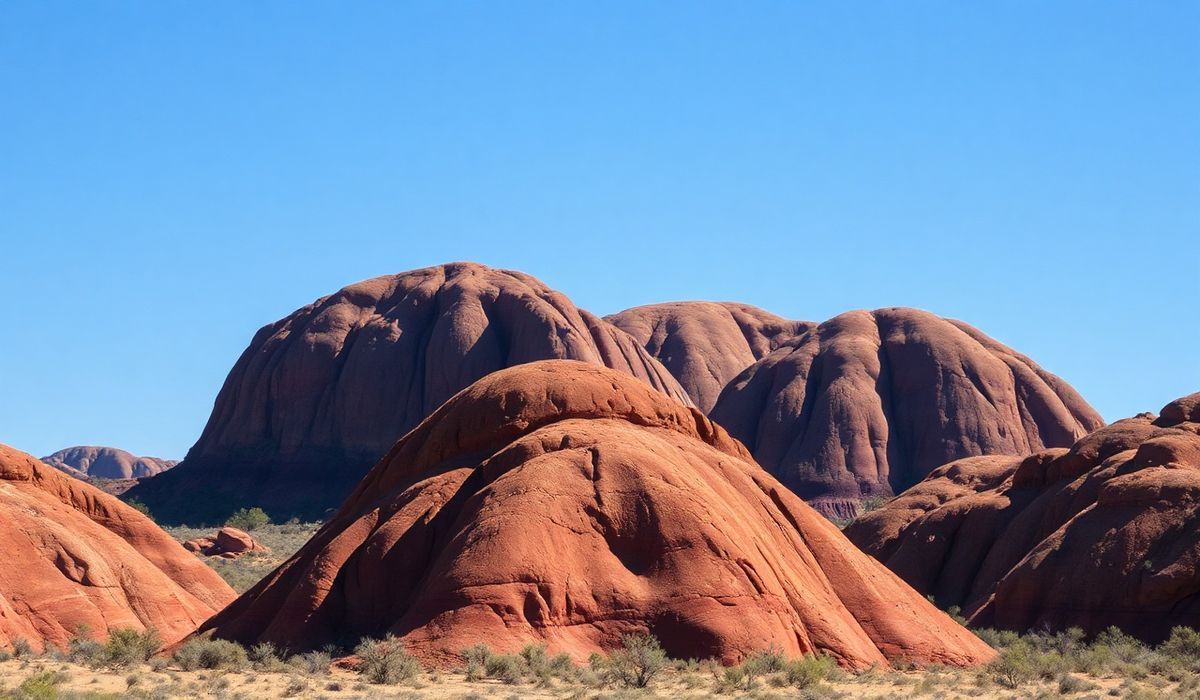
x=567, y=503
x=227, y=543
x=76, y=556
x=1105, y=533
x=320, y=395
x=706, y=344
x=106, y=463
x=869, y=402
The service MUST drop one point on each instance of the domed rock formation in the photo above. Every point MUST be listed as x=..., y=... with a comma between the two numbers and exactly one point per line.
x=1104, y=533
x=869, y=402
x=76, y=556
x=570, y=504
x=705, y=344
x=106, y=463
x=321, y=395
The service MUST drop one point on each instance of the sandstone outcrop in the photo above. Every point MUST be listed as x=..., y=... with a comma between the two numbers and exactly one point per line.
x=74, y=555
x=868, y=403
x=568, y=503
x=1104, y=533
x=320, y=395
x=86, y=461
x=706, y=344
x=227, y=543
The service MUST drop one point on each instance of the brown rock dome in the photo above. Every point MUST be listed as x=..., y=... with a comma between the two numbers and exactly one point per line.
x=320, y=395
x=871, y=401
x=1105, y=533
x=76, y=556
x=569, y=504
x=705, y=344
x=106, y=463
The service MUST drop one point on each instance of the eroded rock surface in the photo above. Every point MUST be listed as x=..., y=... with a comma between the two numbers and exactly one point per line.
x=568, y=503
x=86, y=461
x=1104, y=533
x=870, y=402
x=74, y=555
x=320, y=395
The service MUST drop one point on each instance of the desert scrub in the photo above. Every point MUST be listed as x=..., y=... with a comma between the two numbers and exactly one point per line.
x=475, y=659
x=809, y=670
x=314, y=663
x=385, y=662
x=248, y=519
x=217, y=654
x=128, y=647
x=41, y=686
x=265, y=656
x=639, y=659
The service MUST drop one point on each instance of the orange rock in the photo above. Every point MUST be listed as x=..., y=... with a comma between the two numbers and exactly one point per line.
x=570, y=504
x=1105, y=533
x=74, y=555
x=321, y=395
x=706, y=344
x=227, y=543
x=869, y=402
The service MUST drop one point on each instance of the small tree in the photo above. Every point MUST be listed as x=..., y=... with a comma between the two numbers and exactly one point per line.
x=248, y=519
x=639, y=659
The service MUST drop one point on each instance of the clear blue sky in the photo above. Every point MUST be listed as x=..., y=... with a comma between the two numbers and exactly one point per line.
x=174, y=175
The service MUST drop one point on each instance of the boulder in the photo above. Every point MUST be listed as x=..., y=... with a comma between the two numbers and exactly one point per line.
x=227, y=543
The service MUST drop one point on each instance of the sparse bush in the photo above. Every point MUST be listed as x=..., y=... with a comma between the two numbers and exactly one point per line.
x=41, y=686
x=1183, y=644
x=295, y=687
x=22, y=649
x=314, y=663
x=505, y=667
x=476, y=659
x=386, y=662
x=82, y=649
x=639, y=659
x=140, y=507
x=1015, y=665
x=128, y=647
x=218, y=654
x=265, y=656
x=1069, y=685
x=248, y=519
x=809, y=670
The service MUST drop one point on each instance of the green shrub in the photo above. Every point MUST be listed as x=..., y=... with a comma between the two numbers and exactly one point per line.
x=386, y=662
x=639, y=659
x=22, y=649
x=1183, y=644
x=128, y=647
x=140, y=507
x=809, y=670
x=476, y=659
x=248, y=519
x=219, y=654
x=41, y=686
x=1015, y=666
x=265, y=656
x=505, y=667
x=82, y=649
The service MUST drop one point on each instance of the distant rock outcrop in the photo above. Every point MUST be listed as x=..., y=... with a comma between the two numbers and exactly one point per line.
x=705, y=344
x=567, y=503
x=869, y=402
x=320, y=395
x=106, y=463
x=227, y=543
x=1104, y=533
x=76, y=556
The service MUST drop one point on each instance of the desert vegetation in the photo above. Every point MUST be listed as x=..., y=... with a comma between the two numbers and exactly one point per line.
x=282, y=541
x=130, y=664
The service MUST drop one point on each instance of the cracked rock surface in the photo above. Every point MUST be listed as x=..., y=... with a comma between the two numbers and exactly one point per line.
x=568, y=503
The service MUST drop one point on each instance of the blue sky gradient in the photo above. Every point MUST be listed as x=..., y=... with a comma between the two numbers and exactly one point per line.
x=175, y=175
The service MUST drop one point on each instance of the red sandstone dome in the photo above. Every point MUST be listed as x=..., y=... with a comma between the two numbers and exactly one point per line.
x=567, y=503
x=1104, y=533
x=106, y=463
x=705, y=344
x=321, y=395
x=76, y=556
x=871, y=401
